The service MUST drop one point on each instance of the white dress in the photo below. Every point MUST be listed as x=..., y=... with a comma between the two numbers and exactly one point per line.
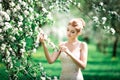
x=70, y=71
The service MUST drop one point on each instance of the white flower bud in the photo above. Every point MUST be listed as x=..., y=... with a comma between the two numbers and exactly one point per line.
x=0, y=30
x=104, y=20
x=26, y=12
x=42, y=78
x=112, y=30
x=101, y=3
x=78, y=5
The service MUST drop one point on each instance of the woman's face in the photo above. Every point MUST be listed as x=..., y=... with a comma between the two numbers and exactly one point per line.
x=71, y=32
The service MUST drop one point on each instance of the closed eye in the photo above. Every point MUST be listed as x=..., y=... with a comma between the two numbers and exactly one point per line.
x=72, y=31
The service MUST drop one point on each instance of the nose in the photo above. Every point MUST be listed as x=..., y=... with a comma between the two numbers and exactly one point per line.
x=68, y=34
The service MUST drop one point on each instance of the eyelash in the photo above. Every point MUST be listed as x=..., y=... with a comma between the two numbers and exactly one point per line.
x=71, y=31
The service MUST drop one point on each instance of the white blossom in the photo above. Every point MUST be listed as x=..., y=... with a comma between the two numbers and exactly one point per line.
x=9, y=59
x=7, y=53
x=15, y=30
x=101, y=3
x=7, y=26
x=10, y=49
x=26, y=12
x=20, y=29
x=24, y=43
x=104, y=20
x=78, y=5
x=14, y=10
x=34, y=50
x=12, y=4
x=41, y=68
x=0, y=6
x=1, y=0
x=5, y=15
x=42, y=78
x=44, y=10
x=23, y=3
x=20, y=17
x=1, y=20
x=11, y=65
x=49, y=16
x=55, y=78
x=95, y=18
x=30, y=33
x=12, y=38
x=37, y=15
x=18, y=7
x=22, y=50
x=20, y=1
x=3, y=46
x=1, y=37
x=0, y=30
x=112, y=30
x=8, y=12
x=31, y=17
x=114, y=12
x=20, y=23
x=1, y=23
x=31, y=9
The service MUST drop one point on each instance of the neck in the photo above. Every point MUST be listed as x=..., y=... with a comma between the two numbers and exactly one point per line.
x=72, y=40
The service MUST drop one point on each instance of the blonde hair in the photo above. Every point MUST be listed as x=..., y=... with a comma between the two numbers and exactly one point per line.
x=78, y=23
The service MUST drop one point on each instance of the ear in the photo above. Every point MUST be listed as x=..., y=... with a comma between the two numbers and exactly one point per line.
x=80, y=32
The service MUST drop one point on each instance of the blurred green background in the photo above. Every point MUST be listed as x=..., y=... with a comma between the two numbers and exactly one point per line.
x=103, y=42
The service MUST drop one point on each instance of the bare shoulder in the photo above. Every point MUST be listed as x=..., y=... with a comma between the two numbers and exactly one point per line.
x=83, y=45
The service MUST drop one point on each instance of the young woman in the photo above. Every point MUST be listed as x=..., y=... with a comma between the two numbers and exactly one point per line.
x=72, y=53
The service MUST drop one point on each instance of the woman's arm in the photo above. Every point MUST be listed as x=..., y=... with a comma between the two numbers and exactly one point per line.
x=82, y=61
x=50, y=58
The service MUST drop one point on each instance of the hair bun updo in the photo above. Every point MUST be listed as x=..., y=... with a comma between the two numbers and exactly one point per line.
x=78, y=23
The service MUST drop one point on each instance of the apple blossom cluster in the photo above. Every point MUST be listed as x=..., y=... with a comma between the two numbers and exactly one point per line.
x=47, y=40
x=103, y=21
x=18, y=32
x=20, y=25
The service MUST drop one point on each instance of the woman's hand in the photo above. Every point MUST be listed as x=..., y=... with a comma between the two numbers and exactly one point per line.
x=42, y=38
x=63, y=48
